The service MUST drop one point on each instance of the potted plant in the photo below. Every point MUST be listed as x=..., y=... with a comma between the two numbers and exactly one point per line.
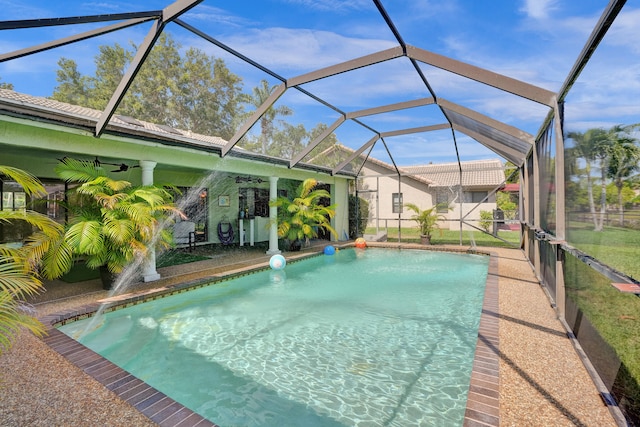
x=427, y=220
x=111, y=223
x=300, y=219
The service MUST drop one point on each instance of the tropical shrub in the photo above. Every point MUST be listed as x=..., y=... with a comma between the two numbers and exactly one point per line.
x=300, y=218
x=358, y=216
x=19, y=264
x=427, y=220
x=112, y=223
x=486, y=219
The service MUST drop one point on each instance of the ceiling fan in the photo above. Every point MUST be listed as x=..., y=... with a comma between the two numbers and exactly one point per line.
x=122, y=167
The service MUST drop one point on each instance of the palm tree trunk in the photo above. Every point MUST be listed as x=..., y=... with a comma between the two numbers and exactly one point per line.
x=620, y=205
x=603, y=197
x=592, y=203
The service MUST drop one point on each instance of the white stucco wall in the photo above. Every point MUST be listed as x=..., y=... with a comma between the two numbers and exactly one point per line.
x=419, y=193
x=381, y=202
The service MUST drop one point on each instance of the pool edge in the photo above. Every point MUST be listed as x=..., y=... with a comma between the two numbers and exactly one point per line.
x=482, y=400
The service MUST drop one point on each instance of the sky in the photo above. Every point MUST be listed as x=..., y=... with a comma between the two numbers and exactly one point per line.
x=536, y=41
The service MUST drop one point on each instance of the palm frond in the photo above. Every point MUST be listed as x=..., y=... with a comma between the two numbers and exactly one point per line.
x=86, y=237
x=58, y=260
x=78, y=170
x=27, y=181
x=120, y=231
x=16, y=281
x=13, y=319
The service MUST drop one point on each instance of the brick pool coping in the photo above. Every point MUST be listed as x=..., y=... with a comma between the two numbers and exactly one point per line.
x=482, y=400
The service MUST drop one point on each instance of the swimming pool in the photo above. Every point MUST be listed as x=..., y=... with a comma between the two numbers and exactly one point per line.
x=301, y=347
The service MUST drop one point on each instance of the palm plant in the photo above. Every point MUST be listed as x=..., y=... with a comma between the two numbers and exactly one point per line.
x=19, y=265
x=260, y=95
x=427, y=220
x=112, y=223
x=623, y=161
x=300, y=219
x=588, y=147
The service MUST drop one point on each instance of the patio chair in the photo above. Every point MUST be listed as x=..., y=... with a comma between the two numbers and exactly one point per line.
x=184, y=232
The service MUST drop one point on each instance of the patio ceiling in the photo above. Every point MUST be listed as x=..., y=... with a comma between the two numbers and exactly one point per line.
x=418, y=108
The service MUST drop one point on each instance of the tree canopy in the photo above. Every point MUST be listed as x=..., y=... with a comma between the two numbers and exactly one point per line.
x=187, y=90
x=5, y=85
x=602, y=156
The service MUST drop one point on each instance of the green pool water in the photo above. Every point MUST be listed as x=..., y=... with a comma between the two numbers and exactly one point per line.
x=373, y=337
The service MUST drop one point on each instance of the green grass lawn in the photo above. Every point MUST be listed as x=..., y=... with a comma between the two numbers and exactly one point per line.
x=452, y=237
x=616, y=247
x=616, y=317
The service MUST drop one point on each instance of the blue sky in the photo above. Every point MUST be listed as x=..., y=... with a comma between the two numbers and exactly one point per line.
x=536, y=41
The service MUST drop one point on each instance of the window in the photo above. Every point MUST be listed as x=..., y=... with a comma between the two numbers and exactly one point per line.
x=13, y=198
x=442, y=201
x=397, y=202
x=478, y=196
x=254, y=202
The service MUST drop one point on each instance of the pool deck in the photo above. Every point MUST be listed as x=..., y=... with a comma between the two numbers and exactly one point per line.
x=526, y=370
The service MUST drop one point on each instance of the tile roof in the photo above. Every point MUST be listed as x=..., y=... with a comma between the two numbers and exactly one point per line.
x=63, y=110
x=474, y=173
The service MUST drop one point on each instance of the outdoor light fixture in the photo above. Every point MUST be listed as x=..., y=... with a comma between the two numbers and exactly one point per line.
x=241, y=179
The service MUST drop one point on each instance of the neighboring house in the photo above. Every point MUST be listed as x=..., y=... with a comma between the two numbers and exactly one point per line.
x=35, y=133
x=430, y=185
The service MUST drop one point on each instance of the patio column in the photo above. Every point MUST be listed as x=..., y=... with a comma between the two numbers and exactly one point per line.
x=273, y=217
x=149, y=273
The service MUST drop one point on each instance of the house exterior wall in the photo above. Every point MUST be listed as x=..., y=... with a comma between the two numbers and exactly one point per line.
x=470, y=210
x=381, y=201
x=380, y=178
x=36, y=147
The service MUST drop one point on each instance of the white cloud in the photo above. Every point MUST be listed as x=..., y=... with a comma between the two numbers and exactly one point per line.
x=538, y=9
x=436, y=147
x=216, y=16
x=332, y=5
x=625, y=31
x=301, y=49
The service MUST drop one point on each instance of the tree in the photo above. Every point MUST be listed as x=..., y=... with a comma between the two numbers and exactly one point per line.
x=506, y=203
x=4, y=85
x=259, y=95
x=111, y=65
x=193, y=91
x=624, y=158
x=590, y=147
x=19, y=265
x=288, y=141
x=511, y=171
x=328, y=152
x=73, y=85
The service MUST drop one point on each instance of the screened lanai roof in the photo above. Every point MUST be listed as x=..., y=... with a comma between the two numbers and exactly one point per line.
x=406, y=82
